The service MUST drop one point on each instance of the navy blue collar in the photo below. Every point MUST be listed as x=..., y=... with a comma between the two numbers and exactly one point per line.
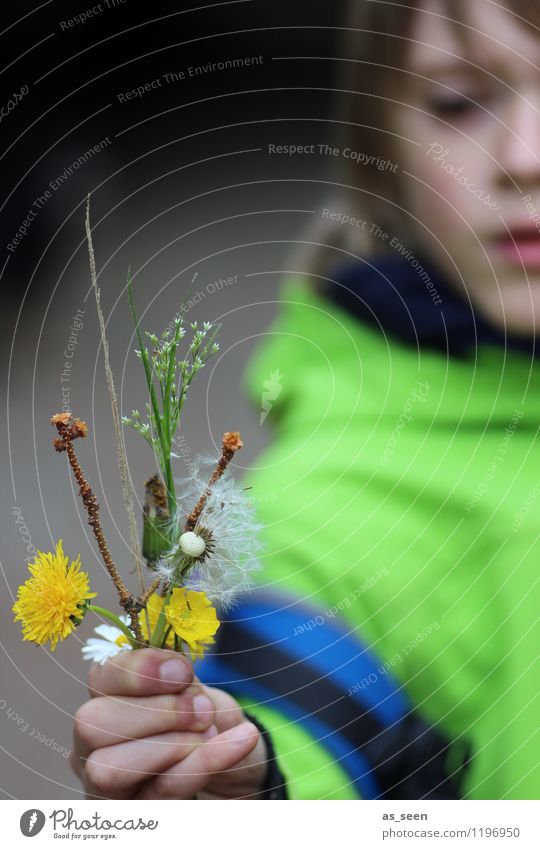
x=416, y=305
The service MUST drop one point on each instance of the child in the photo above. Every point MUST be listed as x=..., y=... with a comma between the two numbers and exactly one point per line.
x=394, y=652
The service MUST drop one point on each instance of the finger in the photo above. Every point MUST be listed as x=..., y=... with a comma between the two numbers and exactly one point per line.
x=114, y=772
x=228, y=712
x=144, y=672
x=245, y=781
x=108, y=720
x=194, y=772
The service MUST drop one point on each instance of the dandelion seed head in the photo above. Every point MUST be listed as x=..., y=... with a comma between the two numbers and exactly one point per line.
x=229, y=527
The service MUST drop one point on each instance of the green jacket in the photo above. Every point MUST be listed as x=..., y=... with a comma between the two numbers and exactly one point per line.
x=414, y=478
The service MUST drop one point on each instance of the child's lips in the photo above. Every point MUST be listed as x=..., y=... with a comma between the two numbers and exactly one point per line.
x=520, y=247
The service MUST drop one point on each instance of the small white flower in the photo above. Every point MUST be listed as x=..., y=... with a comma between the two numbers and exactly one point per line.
x=113, y=641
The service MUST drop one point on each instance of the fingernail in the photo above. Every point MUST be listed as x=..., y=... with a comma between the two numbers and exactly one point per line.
x=241, y=733
x=210, y=732
x=174, y=672
x=203, y=708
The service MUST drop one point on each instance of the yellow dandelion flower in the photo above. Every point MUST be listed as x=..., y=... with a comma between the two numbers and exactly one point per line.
x=52, y=602
x=193, y=619
x=153, y=609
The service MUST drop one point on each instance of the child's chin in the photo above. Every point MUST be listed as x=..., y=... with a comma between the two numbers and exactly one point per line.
x=519, y=312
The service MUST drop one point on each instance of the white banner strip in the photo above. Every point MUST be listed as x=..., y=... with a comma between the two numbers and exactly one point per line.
x=265, y=825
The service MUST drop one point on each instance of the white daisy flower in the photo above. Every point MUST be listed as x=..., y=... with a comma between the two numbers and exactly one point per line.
x=221, y=552
x=113, y=641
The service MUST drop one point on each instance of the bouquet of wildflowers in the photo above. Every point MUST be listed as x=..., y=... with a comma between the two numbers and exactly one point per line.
x=199, y=544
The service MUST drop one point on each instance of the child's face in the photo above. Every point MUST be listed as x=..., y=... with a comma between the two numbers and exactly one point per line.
x=474, y=169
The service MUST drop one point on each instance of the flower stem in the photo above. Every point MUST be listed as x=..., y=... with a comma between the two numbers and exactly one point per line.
x=164, y=438
x=106, y=614
x=127, y=484
x=166, y=637
x=157, y=636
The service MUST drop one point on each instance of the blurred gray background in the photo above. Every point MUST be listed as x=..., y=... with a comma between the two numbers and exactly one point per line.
x=186, y=193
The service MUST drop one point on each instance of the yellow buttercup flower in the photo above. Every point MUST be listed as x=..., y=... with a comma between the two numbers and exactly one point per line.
x=153, y=608
x=193, y=619
x=52, y=602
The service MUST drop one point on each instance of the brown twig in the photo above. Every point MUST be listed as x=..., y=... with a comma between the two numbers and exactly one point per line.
x=70, y=428
x=149, y=591
x=230, y=445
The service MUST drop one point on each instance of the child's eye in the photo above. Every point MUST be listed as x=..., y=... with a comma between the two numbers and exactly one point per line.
x=455, y=106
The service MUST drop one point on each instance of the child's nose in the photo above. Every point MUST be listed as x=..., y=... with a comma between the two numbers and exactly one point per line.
x=518, y=150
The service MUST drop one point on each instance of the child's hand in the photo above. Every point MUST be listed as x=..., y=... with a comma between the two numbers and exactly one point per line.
x=152, y=731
